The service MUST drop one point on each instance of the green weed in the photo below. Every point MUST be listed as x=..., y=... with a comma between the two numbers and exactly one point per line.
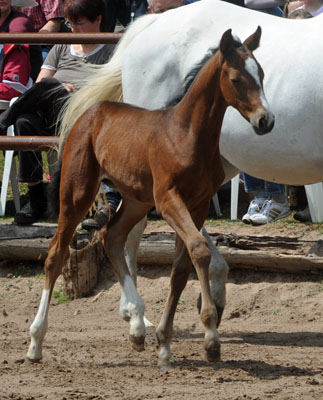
x=59, y=297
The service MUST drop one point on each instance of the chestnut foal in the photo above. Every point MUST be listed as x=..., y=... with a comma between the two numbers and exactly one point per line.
x=168, y=158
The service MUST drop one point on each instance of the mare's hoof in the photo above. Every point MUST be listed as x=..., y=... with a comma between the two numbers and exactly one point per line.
x=137, y=343
x=214, y=354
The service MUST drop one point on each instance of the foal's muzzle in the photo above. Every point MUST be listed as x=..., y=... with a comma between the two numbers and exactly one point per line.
x=263, y=123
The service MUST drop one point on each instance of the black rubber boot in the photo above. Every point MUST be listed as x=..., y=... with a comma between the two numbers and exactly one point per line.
x=35, y=209
x=101, y=218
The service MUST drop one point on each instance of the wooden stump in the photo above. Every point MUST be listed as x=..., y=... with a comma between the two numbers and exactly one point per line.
x=82, y=269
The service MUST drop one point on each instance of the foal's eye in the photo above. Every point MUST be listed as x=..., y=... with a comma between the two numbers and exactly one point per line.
x=235, y=80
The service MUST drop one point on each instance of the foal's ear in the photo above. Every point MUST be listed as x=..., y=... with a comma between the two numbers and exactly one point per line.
x=252, y=42
x=226, y=43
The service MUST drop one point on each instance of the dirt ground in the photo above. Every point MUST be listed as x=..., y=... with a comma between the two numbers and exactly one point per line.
x=271, y=335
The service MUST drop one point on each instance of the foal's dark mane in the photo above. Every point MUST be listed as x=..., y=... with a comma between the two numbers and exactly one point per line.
x=195, y=70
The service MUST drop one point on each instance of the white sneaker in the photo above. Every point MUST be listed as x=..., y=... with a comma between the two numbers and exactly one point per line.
x=254, y=208
x=271, y=211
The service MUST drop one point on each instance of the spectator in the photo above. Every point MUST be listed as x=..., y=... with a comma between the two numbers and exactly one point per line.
x=14, y=59
x=47, y=16
x=269, y=201
x=123, y=12
x=267, y=6
x=159, y=6
x=35, y=112
x=314, y=7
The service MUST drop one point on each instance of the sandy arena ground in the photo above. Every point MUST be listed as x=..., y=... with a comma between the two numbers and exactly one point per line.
x=271, y=334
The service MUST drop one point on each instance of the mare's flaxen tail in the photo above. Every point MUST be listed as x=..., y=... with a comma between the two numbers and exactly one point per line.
x=105, y=84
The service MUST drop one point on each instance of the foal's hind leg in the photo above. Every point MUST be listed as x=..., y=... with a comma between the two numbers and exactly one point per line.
x=131, y=251
x=77, y=195
x=218, y=274
x=114, y=238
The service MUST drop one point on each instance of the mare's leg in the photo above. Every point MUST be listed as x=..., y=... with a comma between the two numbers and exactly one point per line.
x=187, y=226
x=77, y=193
x=114, y=239
x=131, y=251
x=218, y=275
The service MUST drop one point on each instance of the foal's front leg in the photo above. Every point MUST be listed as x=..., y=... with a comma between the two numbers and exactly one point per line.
x=181, y=269
x=174, y=210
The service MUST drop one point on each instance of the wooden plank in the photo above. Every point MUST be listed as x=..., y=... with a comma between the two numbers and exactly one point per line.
x=160, y=250
x=60, y=38
x=39, y=143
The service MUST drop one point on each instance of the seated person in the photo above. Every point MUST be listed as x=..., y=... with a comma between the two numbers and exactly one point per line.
x=36, y=111
x=14, y=58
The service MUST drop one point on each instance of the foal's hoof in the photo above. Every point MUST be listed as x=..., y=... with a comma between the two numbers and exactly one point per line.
x=214, y=354
x=137, y=343
x=166, y=366
x=219, y=310
x=34, y=360
x=34, y=354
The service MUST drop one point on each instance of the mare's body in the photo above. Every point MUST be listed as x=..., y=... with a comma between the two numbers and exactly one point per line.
x=290, y=54
x=159, y=51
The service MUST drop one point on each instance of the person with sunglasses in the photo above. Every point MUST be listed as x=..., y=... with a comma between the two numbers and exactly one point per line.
x=36, y=111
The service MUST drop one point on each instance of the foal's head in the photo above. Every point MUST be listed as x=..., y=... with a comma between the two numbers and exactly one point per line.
x=242, y=81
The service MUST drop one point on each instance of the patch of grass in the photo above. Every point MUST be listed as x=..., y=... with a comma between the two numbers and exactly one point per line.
x=29, y=284
x=7, y=286
x=158, y=301
x=59, y=297
x=180, y=303
x=286, y=303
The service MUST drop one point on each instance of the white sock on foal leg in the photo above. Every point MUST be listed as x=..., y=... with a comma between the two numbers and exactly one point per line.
x=135, y=309
x=38, y=328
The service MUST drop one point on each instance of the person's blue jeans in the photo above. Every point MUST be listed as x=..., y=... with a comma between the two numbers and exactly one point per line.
x=252, y=185
x=112, y=195
x=277, y=11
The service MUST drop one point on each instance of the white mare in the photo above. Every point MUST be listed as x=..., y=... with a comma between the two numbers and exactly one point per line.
x=155, y=59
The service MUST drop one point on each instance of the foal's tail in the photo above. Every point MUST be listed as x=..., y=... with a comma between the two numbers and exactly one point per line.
x=106, y=82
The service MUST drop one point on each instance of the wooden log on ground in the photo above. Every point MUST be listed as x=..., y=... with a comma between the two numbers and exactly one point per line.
x=254, y=253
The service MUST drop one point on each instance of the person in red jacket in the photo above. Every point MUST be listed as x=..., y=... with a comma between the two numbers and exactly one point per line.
x=14, y=58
